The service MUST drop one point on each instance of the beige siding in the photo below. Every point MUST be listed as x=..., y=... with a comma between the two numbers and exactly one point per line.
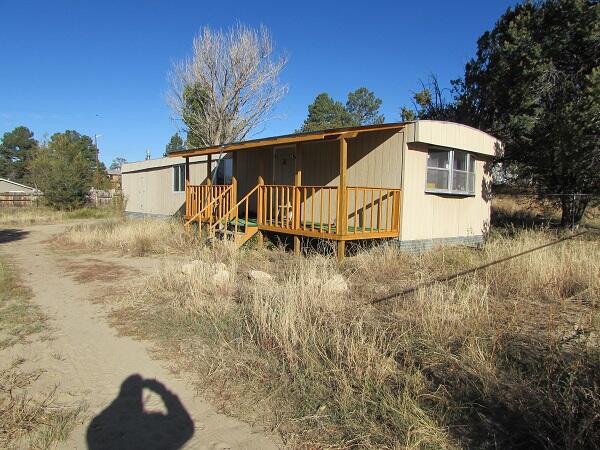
x=148, y=185
x=430, y=216
x=248, y=166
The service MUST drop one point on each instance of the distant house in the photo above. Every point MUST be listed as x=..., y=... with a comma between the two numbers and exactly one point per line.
x=114, y=175
x=423, y=183
x=14, y=187
x=13, y=194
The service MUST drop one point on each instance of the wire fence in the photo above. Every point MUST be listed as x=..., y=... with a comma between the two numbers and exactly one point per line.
x=454, y=276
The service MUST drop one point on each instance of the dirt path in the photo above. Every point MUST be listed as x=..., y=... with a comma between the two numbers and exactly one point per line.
x=90, y=362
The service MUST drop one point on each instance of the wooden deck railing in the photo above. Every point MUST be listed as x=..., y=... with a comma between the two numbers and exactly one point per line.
x=313, y=210
x=372, y=210
x=198, y=196
x=232, y=214
x=214, y=210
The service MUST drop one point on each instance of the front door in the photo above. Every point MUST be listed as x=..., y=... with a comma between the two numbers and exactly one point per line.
x=284, y=165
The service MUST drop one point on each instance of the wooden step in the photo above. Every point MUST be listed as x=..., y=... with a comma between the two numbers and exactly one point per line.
x=239, y=238
x=242, y=238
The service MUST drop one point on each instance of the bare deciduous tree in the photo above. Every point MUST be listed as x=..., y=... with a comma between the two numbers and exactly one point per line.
x=229, y=85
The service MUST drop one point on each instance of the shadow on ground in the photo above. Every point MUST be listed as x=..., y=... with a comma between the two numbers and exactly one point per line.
x=124, y=424
x=12, y=234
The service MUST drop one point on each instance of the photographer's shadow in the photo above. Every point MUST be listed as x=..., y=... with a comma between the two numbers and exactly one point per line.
x=125, y=425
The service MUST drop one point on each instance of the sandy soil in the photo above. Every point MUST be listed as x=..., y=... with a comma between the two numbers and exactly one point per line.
x=133, y=400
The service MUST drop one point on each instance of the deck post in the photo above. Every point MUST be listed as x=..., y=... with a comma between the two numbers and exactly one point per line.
x=259, y=210
x=187, y=187
x=234, y=164
x=342, y=207
x=209, y=179
x=209, y=169
x=297, y=199
x=233, y=197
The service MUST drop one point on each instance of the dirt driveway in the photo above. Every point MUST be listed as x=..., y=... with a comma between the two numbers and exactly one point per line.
x=133, y=400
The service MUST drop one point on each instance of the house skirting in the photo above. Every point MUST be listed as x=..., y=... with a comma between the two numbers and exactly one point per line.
x=419, y=245
x=141, y=215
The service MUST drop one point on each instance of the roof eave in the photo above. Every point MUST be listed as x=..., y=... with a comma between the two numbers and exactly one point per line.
x=331, y=134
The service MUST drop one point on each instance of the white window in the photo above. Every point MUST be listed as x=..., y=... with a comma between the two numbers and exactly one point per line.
x=450, y=172
x=179, y=178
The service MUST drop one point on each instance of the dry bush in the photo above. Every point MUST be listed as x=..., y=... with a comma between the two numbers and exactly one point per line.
x=132, y=237
x=503, y=357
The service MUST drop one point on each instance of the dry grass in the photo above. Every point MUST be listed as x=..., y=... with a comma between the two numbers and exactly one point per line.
x=19, y=318
x=131, y=237
x=43, y=215
x=505, y=357
x=25, y=421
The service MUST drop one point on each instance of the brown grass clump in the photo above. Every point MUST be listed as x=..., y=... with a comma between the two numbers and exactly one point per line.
x=504, y=357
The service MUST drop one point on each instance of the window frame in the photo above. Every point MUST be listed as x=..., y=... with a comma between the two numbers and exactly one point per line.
x=470, y=172
x=178, y=178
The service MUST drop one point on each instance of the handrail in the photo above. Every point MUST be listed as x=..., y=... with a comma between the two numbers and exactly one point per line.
x=191, y=219
x=373, y=188
x=246, y=197
x=214, y=201
x=235, y=208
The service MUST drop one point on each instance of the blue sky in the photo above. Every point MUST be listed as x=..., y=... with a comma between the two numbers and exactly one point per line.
x=101, y=67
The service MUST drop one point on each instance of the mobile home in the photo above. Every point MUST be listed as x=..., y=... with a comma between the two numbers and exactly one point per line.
x=423, y=183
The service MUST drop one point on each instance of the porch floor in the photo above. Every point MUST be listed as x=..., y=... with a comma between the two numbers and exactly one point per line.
x=307, y=226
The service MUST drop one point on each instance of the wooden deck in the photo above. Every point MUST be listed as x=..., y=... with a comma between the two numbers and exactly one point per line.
x=302, y=211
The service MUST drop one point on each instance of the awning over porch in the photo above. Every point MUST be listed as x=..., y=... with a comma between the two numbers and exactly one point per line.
x=323, y=135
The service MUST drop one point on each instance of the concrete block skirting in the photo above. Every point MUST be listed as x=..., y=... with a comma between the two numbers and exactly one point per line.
x=141, y=215
x=428, y=244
